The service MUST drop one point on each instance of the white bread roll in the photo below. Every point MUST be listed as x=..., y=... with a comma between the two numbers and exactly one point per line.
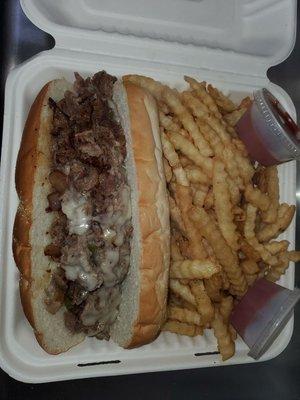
x=144, y=290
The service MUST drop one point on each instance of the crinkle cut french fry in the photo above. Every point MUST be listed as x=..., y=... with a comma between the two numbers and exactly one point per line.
x=199, y=197
x=270, y=215
x=225, y=343
x=209, y=200
x=226, y=306
x=249, y=267
x=229, y=157
x=173, y=101
x=222, y=101
x=193, y=269
x=173, y=159
x=182, y=328
x=225, y=281
x=260, y=179
x=203, y=95
x=233, y=117
x=185, y=134
x=257, y=198
x=294, y=256
x=237, y=163
x=209, y=250
x=169, y=151
x=246, y=169
x=197, y=125
x=184, y=161
x=246, y=102
x=164, y=108
x=213, y=287
x=224, y=153
x=250, y=237
x=210, y=136
x=204, y=305
x=189, y=150
x=275, y=271
x=271, y=231
x=183, y=291
x=277, y=247
x=239, y=145
x=167, y=170
x=223, y=205
x=232, y=331
x=201, y=111
x=184, y=315
x=177, y=301
x=234, y=192
x=168, y=123
x=183, y=199
x=249, y=251
x=196, y=175
x=238, y=211
x=218, y=282
x=223, y=252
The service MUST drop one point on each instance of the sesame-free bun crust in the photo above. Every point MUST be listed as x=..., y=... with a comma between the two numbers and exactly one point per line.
x=144, y=292
x=32, y=223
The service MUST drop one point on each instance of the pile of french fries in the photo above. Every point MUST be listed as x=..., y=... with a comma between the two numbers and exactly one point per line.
x=224, y=209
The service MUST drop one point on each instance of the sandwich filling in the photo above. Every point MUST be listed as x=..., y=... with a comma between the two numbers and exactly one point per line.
x=91, y=232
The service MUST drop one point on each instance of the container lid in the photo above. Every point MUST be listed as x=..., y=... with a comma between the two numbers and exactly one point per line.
x=231, y=33
x=279, y=126
x=269, y=133
x=262, y=313
x=275, y=325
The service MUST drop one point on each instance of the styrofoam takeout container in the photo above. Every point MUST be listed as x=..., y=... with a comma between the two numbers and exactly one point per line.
x=228, y=43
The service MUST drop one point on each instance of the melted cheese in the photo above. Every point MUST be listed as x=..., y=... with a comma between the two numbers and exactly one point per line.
x=119, y=239
x=78, y=268
x=126, y=212
x=108, y=302
x=110, y=261
x=109, y=234
x=74, y=206
x=90, y=317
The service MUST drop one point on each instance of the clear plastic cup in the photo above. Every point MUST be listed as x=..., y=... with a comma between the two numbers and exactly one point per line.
x=262, y=313
x=269, y=133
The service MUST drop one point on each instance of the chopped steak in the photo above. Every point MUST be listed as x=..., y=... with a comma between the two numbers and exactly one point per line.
x=59, y=229
x=104, y=84
x=91, y=233
x=55, y=292
x=58, y=180
x=54, y=201
x=86, y=143
x=76, y=293
x=53, y=251
x=87, y=179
